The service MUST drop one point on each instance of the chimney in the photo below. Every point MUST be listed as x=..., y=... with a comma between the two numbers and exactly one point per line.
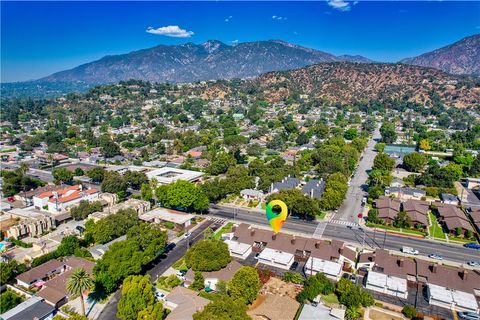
x=434, y=268
x=401, y=263
x=340, y=250
x=464, y=274
x=252, y=232
x=274, y=236
x=317, y=245
x=81, y=187
x=234, y=228
x=293, y=240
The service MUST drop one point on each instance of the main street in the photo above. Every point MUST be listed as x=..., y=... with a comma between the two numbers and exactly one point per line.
x=351, y=234
x=353, y=202
x=159, y=267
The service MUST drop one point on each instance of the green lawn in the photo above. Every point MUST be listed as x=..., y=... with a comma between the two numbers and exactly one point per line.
x=435, y=229
x=180, y=265
x=223, y=230
x=392, y=228
x=330, y=298
x=461, y=239
x=322, y=215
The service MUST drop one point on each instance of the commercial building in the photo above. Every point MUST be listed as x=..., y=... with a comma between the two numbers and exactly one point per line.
x=61, y=199
x=181, y=220
x=167, y=175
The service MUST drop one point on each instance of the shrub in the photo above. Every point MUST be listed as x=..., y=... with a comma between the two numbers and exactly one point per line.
x=409, y=311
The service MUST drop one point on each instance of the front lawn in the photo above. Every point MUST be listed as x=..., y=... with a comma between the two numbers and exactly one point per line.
x=180, y=265
x=330, y=298
x=223, y=230
x=435, y=229
x=399, y=230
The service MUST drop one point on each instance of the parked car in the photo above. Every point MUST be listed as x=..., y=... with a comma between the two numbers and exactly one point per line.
x=353, y=278
x=170, y=246
x=475, y=264
x=472, y=245
x=181, y=273
x=468, y=315
x=409, y=250
x=294, y=266
x=187, y=234
x=435, y=256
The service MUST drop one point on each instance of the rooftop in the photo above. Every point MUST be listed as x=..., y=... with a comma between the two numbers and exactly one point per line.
x=167, y=175
x=164, y=214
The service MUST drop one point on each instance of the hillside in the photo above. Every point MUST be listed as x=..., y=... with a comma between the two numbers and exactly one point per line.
x=352, y=82
x=461, y=57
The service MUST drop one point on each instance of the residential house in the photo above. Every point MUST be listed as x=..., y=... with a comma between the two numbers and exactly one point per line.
x=281, y=250
x=251, y=194
x=314, y=188
x=475, y=215
x=286, y=183
x=388, y=208
x=183, y=303
x=32, y=308
x=212, y=277
x=274, y=306
x=449, y=199
x=405, y=193
x=417, y=211
x=321, y=312
x=453, y=218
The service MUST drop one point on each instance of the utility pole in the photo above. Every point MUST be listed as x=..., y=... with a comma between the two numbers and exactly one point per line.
x=363, y=240
x=384, y=238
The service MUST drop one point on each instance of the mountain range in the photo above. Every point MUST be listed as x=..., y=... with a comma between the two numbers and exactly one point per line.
x=191, y=62
x=213, y=60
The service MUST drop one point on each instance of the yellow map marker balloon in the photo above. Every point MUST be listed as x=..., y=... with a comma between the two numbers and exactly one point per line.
x=277, y=220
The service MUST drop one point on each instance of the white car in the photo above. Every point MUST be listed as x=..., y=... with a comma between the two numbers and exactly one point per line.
x=410, y=250
x=187, y=234
x=435, y=256
x=475, y=264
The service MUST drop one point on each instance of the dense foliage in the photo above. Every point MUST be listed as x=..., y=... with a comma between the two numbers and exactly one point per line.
x=208, y=255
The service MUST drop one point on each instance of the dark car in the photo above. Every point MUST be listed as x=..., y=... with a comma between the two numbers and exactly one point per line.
x=472, y=245
x=80, y=229
x=170, y=246
x=294, y=266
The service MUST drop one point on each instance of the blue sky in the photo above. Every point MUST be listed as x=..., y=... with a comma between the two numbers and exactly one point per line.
x=39, y=38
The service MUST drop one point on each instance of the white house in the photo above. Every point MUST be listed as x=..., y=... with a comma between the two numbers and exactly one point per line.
x=384, y=283
x=251, y=194
x=238, y=250
x=331, y=269
x=451, y=299
x=276, y=258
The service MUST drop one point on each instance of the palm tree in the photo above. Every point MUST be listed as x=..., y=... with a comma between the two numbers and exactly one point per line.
x=78, y=282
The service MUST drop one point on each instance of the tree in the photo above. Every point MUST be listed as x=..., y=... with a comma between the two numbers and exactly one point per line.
x=388, y=132
x=8, y=300
x=414, y=162
x=244, y=285
x=383, y=162
x=221, y=287
x=184, y=195
x=223, y=308
x=315, y=285
x=112, y=226
x=96, y=174
x=67, y=246
x=9, y=270
x=293, y=277
x=298, y=204
x=220, y=163
x=85, y=208
x=78, y=172
x=134, y=179
x=409, y=311
x=155, y=312
x=350, y=134
x=137, y=295
x=78, y=282
x=208, y=255
x=380, y=146
x=351, y=295
x=113, y=182
x=108, y=147
x=146, y=192
x=302, y=139
x=402, y=220
x=424, y=144
x=198, y=281
x=335, y=190
x=62, y=175
x=372, y=215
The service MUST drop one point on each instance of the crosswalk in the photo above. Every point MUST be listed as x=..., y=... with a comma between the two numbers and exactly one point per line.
x=217, y=220
x=345, y=223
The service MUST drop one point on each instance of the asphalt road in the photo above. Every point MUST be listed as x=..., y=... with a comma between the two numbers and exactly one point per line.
x=353, y=202
x=353, y=235
x=165, y=262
